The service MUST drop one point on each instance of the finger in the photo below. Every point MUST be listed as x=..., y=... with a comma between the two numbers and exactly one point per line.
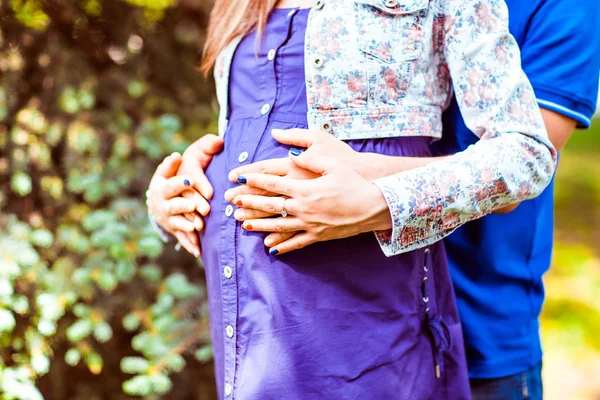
x=200, y=203
x=179, y=222
x=185, y=240
x=274, y=225
x=296, y=242
x=178, y=205
x=175, y=186
x=242, y=214
x=269, y=205
x=277, y=166
x=273, y=239
x=315, y=163
x=211, y=144
x=198, y=222
x=240, y=190
x=168, y=168
x=202, y=184
x=299, y=137
x=270, y=183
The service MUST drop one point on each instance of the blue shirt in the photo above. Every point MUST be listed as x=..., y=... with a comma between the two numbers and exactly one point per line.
x=497, y=262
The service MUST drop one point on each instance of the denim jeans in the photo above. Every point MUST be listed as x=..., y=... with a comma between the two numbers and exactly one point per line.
x=525, y=385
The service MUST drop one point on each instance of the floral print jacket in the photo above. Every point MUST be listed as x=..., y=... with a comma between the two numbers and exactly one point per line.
x=387, y=68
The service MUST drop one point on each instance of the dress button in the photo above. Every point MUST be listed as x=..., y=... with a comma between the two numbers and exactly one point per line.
x=391, y=3
x=319, y=62
x=228, y=272
x=229, y=331
x=227, y=389
x=265, y=109
x=326, y=126
x=229, y=210
x=243, y=156
x=271, y=55
x=319, y=4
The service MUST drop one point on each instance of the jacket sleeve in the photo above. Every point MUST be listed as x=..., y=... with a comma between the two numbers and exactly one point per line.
x=513, y=161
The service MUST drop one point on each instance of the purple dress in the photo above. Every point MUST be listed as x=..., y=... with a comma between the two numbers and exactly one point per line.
x=336, y=320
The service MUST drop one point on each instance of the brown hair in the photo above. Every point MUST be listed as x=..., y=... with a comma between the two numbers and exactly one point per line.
x=230, y=19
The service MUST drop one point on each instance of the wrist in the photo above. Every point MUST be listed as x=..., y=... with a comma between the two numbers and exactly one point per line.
x=379, y=217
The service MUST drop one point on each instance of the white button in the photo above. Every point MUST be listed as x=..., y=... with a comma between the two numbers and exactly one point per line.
x=243, y=156
x=227, y=389
x=229, y=210
x=319, y=4
x=391, y=3
x=319, y=61
x=426, y=251
x=265, y=109
x=229, y=331
x=271, y=55
x=228, y=272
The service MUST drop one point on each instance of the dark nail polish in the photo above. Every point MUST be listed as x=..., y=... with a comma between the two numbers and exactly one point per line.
x=242, y=180
x=186, y=182
x=274, y=252
x=295, y=152
x=238, y=202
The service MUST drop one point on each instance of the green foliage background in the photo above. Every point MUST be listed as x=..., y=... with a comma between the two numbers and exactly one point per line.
x=93, y=94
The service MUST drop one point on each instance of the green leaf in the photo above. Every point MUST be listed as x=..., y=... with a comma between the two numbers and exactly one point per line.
x=134, y=365
x=138, y=386
x=7, y=320
x=72, y=357
x=136, y=88
x=169, y=123
x=79, y=330
x=46, y=327
x=131, y=322
x=180, y=287
x=42, y=238
x=40, y=364
x=175, y=362
x=150, y=246
x=103, y=332
x=94, y=362
x=107, y=281
x=21, y=183
x=97, y=219
x=204, y=353
x=151, y=272
x=161, y=383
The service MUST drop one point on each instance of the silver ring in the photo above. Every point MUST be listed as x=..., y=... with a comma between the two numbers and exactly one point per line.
x=284, y=212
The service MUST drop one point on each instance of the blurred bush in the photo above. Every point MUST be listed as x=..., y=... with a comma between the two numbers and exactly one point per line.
x=93, y=94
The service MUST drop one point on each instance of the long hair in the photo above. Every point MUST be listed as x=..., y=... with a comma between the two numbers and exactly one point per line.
x=230, y=19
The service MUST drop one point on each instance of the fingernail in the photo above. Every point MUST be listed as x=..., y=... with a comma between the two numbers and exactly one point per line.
x=295, y=152
x=196, y=253
x=268, y=242
x=242, y=180
x=247, y=227
x=186, y=182
x=273, y=252
x=238, y=202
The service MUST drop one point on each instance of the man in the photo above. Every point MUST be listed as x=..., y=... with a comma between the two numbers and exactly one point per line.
x=497, y=262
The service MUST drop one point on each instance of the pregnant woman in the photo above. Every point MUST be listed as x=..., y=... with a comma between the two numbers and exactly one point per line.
x=369, y=316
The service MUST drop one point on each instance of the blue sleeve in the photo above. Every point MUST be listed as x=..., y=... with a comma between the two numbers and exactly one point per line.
x=561, y=56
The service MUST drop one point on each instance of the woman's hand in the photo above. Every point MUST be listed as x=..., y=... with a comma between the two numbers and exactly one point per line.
x=166, y=207
x=339, y=203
